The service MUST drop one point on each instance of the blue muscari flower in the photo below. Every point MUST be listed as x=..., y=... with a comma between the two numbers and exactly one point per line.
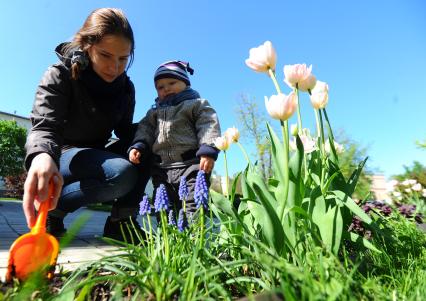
x=144, y=206
x=201, y=192
x=183, y=189
x=172, y=218
x=161, y=199
x=182, y=223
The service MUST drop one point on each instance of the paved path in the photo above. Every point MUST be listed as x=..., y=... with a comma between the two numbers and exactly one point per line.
x=86, y=246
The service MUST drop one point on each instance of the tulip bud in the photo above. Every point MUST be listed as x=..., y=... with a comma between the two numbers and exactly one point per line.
x=281, y=106
x=417, y=187
x=338, y=147
x=412, y=181
x=262, y=58
x=294, y=130
x=396, y=194
x=308, y=83
x=319, y=95
x=299, y=75
x=222, y=143
x=232, y=134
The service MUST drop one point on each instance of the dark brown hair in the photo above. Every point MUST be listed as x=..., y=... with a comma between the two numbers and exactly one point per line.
x=101, y=22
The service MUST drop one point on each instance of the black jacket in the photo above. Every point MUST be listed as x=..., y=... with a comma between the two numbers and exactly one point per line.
x=65, y=115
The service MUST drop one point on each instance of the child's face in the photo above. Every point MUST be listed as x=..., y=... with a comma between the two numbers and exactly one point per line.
x=168, y=86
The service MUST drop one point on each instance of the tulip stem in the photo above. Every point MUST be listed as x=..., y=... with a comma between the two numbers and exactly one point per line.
x=299, y=118
x=322, y=148
x=284, y=129
x=244, y=152
x=274, y=80
x=226, y=175
x=317, y=122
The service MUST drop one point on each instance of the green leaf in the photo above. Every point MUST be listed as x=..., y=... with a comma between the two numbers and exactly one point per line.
x=68, y=295
x=361, y=240
x=270, y=222
x=329, y=181
x=234, y=186
x=220, y=201
x=277, y=153
x=352, y=206
x=327, y=216
x=334, y=156
x=295, y=166
x=353, y=180
x=339, y=181
x=298, y=210
x=330, y=225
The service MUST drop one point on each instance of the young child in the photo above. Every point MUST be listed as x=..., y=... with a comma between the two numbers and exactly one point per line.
x=179, y=130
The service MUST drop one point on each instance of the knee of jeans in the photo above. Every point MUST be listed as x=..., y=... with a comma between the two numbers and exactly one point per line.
x=124, y=177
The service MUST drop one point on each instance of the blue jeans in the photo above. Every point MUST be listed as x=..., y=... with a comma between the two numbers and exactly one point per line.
x=97, y=176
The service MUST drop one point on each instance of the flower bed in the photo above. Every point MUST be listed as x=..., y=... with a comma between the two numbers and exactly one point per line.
x=294, y=235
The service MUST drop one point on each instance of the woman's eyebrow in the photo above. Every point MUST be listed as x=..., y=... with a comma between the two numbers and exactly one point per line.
x=109, y=53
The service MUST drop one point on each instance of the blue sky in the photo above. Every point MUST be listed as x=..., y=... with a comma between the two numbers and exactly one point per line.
x=371, y=53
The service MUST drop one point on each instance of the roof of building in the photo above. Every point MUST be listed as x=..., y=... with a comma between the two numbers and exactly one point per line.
x=14, y=115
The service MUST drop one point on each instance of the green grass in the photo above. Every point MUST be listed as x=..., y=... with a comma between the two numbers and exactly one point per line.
x=228, y=267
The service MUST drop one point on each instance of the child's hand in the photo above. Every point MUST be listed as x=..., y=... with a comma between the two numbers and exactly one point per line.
x=134, y=156
x=206, y=164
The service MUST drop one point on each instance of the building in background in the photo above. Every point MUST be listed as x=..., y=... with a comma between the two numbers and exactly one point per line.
x=20, y=120
x=379, y=187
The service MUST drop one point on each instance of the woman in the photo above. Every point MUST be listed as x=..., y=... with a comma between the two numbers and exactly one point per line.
x=78, y=103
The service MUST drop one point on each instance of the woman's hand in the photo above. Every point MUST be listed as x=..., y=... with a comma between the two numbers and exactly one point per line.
x=36, y=189
x=206, y=164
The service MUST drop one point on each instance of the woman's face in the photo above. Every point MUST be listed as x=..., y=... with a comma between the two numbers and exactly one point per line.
x=109, y=56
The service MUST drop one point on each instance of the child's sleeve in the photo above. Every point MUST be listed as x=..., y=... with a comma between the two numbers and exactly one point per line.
x=145, y=133
x=208, y=129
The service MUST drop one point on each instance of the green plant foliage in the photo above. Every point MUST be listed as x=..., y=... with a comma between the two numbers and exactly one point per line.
x=348, y=161
x=416, y=171
x=12, y=152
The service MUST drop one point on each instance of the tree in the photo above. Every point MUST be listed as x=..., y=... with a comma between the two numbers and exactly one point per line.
x=12, y=151
x=417, y=172
x=253, y=126
x=421, y=144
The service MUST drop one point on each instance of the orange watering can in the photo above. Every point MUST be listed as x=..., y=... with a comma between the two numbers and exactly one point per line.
x=34, y=251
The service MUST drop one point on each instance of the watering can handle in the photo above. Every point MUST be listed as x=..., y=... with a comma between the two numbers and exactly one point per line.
x=40, y=225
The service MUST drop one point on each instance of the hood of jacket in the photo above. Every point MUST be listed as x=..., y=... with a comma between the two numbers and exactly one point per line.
x=68, y=56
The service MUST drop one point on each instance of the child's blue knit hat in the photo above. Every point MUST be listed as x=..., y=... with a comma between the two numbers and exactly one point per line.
x=174, y=69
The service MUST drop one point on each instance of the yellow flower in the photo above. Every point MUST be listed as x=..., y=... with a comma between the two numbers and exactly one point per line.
x=281, y=106
x=262, y=58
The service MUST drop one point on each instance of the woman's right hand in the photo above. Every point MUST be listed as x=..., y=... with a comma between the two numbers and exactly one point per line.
x=134, y=156
x=36, y=189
